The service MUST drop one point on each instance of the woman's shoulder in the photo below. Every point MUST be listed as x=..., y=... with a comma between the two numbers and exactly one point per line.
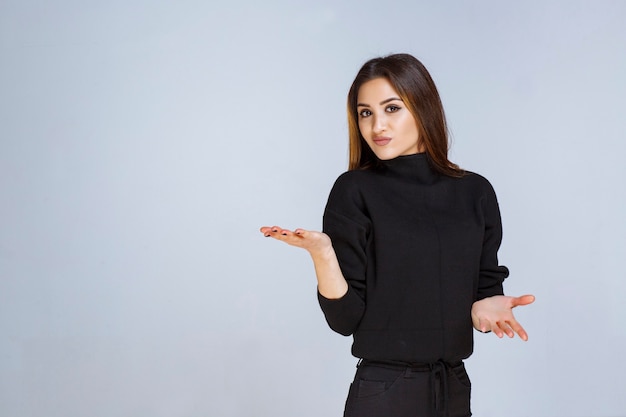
x=477, y=183
x=348, y=188
x=353, y=179
x=474, y=177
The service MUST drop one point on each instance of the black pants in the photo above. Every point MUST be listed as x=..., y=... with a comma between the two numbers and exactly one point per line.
x=395, y=389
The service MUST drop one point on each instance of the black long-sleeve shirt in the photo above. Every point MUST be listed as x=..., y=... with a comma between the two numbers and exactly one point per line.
x=417, y=249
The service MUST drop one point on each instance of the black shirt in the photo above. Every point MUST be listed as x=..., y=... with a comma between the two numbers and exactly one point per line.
x=417, y=249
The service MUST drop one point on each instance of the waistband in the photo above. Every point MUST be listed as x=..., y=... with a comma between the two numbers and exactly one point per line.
x=401, y=365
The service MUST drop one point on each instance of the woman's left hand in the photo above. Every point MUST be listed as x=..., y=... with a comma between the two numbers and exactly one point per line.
x=496, y=314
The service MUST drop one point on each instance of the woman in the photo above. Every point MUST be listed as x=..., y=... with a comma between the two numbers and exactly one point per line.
x=407, y=260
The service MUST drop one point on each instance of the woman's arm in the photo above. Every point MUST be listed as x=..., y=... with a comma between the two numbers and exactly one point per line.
x=338, y=253
x=330, y=281
x=493, y=311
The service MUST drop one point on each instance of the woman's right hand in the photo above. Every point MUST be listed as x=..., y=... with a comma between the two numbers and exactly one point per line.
x=330, y=281
x=317, y=243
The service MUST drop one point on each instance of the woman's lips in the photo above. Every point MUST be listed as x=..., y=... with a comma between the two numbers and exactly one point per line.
x=381, y=141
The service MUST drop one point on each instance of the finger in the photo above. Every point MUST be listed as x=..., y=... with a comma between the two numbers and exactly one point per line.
x=523, y=300
x=290, y=238
x=266, y=230
x=275, y=231
x=517, y=328
x=282, y=234
x=504, y=326
x=497, y=330
x=483, y=325
x=300, y=237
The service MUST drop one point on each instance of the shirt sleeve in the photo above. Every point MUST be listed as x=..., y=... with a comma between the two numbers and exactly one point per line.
x=347, y=225
x=491, y=273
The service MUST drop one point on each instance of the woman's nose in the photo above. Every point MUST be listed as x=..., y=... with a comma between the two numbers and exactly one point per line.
x=380, y=124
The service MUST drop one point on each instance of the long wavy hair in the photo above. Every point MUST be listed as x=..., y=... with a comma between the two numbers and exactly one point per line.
x=416, y=88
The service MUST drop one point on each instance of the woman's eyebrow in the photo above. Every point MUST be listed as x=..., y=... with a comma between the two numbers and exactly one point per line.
x=381, y=103
x=389, y=99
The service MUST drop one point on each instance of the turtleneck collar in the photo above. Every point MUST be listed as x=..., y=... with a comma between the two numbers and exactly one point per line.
x=413, y=167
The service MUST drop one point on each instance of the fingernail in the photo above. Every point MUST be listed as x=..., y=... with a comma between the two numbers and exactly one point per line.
x=267, y=235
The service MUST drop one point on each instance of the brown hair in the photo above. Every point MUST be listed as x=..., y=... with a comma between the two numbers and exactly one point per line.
x=411, y=80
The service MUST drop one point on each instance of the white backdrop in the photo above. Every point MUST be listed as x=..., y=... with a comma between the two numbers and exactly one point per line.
x=143, y=143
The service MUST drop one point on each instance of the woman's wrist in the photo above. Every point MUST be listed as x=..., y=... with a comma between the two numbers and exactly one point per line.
x=324, y=252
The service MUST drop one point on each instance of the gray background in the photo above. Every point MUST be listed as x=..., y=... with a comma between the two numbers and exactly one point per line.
x=143, y=143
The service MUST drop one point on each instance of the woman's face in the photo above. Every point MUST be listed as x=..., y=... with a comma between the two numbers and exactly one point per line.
x=385, y=122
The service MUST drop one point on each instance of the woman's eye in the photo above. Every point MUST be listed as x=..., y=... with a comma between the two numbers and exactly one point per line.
x=392, y=109
x=365, y=113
